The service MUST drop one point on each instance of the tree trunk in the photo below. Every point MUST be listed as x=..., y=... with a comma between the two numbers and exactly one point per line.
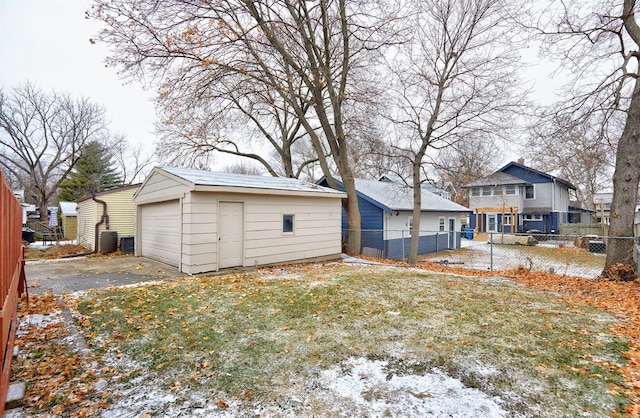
x=353, y=215
x=44, y=211
x=620, y=263
x=417, y=211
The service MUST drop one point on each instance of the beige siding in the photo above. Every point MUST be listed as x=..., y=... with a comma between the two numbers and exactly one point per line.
x=317, y=225
x=199, y=233
x=159, y=187
x=121, y=211
x=317, y=229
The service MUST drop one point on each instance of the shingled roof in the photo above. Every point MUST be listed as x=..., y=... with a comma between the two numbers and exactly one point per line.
x=396, y=196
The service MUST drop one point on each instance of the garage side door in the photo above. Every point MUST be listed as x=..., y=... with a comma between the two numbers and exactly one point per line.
x=160, y=231
x=231, y=234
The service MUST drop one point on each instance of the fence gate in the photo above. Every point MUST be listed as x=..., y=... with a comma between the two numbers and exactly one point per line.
x=12, y=279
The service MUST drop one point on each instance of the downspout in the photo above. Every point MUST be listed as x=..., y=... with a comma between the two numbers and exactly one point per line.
x=104, y=219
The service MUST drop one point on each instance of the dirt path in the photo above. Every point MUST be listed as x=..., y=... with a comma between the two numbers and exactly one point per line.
x=75, y=274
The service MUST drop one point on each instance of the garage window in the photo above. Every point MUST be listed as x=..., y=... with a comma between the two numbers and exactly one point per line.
x=287, y=223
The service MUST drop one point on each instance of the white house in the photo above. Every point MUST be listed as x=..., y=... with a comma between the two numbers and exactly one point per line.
x=201, y=221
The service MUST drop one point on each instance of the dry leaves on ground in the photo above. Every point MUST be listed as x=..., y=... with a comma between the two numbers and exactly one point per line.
x=58, y=379
x=620, y=298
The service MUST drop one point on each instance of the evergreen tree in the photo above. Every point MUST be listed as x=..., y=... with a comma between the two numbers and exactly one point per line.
x=93, y=173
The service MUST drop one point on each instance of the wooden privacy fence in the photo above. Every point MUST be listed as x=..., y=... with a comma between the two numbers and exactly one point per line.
x=12, y=279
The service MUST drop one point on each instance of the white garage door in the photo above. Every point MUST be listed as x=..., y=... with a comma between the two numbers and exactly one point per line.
x=160, y=231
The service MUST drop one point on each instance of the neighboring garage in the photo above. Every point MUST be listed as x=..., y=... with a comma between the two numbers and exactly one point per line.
x=201, y=221
x=110, y=212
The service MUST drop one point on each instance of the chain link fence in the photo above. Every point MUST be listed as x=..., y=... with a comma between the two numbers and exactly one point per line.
x=570, y=255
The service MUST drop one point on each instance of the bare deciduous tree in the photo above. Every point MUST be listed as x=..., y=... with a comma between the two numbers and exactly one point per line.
x=455, y=79
x=464, y=162
x=305, y=52
x=244, y=119
x=244, y=167
x=600, y=45
x=133, y=161
x=42, y=137
x=577, y=149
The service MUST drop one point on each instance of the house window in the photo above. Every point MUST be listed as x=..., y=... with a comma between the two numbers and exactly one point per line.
x=528, y=192
x=475, y=191
x=506, y=220
x=287, y=223
x=486, y=191
x=441, y=224
x=532, y=217
x=510, y=189
x=410, y=222
x=497, y=191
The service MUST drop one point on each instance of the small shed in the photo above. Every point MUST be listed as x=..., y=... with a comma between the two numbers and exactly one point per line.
x=386, y=219
x=112, y=210
x=202, y=221
x=69, y=219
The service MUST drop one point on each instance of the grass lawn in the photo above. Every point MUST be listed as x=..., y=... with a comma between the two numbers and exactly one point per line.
x=259, y=343
x=568, y=261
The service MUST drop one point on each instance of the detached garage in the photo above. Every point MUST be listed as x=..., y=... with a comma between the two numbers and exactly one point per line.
x=201, y=221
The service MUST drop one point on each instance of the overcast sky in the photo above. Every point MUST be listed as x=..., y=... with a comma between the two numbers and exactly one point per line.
x=47, y=43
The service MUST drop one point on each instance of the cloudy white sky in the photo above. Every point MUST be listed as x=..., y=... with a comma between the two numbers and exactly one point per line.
x=47, y=43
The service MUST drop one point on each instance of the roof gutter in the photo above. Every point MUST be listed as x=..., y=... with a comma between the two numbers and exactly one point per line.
x=104, y=219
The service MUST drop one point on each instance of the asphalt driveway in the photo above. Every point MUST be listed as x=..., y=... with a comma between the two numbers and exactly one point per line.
x=84, y=273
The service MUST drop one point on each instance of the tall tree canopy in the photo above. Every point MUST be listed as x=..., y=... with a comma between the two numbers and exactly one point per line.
x=41, y=136
x=454, y=79
x=308, y=54
x=93, y=172
x=577, y=150
x=599, y=44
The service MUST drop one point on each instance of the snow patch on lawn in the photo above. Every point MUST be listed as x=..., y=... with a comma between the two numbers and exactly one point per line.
x=39, y=321
x=356, y=387
x=367, y=388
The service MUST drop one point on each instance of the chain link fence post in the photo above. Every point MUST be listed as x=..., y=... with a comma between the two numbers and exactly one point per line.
x=491, y=251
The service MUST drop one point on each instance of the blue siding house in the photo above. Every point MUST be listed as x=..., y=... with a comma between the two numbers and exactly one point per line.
x=386, y=219
x=517, y=198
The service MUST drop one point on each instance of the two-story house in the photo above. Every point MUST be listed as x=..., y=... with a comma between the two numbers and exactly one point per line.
x=517, y=198
x=602, y=205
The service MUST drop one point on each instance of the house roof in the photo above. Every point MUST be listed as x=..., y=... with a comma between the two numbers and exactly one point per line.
x=551, y=178
x=496, y=179
x=68, y=208
x=503, y=176
x=395, y=196
x=215, y=179
x=603, y=197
